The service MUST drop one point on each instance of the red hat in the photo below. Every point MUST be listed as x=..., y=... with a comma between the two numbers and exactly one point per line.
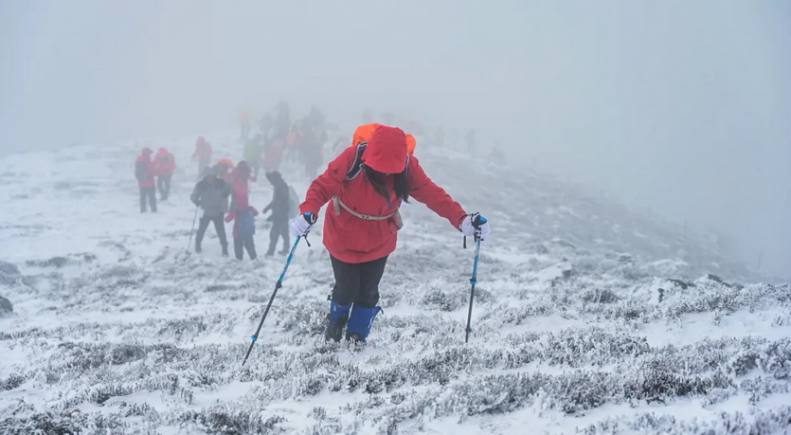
x=386, y=151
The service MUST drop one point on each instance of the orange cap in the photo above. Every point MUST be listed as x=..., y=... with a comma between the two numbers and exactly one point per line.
x=411, y=143
x=364, y=133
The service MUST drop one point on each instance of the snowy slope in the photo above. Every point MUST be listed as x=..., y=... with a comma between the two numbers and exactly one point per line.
x=589, y=318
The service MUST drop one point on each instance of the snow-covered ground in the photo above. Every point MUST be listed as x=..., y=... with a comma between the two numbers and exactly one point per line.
x=588, y=318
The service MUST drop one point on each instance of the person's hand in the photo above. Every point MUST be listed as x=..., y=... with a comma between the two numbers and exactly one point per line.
x=301, y=224
x=475, y=225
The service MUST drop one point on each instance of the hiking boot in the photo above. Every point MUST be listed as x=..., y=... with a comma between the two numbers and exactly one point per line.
x=333, y=330
x=336, y=321
x=360, y=323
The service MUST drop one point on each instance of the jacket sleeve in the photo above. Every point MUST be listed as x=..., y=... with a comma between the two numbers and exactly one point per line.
x=435, y=197
x=196, y=193
x=328, y=184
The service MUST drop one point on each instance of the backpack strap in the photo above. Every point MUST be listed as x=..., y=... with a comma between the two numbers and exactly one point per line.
x=357, y=166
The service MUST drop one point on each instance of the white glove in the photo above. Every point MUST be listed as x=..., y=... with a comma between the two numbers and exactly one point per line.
x=475, y=224
x=302, y=223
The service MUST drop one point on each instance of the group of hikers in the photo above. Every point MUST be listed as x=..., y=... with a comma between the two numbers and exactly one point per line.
x=222, y=193
x=279, y=138
x=364, y=185
x=154, y=174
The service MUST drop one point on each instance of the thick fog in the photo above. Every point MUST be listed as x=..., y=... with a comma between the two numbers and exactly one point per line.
x=680, y=108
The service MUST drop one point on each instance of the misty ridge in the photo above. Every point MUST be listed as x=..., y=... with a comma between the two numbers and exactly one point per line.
x=679, y=109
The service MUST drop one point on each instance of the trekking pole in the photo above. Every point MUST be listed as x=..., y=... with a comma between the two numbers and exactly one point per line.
x=473, y=281
x=192, y=230
x=278, y=284
x=477, y=221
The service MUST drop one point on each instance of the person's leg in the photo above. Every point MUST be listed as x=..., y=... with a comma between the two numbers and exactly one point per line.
x=286, y=237
x=249, y=244
x=370, y=277
x=237, y=248
x=219, y=226
x=168, y=179
x=274, y=234
x=365, y=308
x=152, y=198
x=284, y=233
x=202, y=225
x=347, y=285
x=142, y=200
x=161, y=186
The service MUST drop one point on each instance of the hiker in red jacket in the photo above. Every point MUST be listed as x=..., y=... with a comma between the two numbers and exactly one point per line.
x=144, y=172
x=365, y=186
x=164, y=167
x=203, y=155
x=242, y=213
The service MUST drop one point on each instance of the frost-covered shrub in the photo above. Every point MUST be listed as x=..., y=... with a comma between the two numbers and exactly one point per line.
x=56, y=262
x=9, y=273
x=758, y=421
x=660, y=379
x=591, y=346
x=6, y=307
x=600, y=296
x=12, y=381
x=223, y=420
x=65, y=422
x=777, y=359
x=443, y=301
x=191, y=326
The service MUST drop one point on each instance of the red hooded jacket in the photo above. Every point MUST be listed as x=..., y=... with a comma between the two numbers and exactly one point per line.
x=353, y=240
x=202, y=150
x=144, y=170
x=164, y=162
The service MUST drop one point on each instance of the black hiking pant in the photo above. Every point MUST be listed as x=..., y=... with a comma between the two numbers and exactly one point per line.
x=240, y=244
x=219, y=227
x=357, y=283
x=279, y=229
x=148, y=197
x=163, y=185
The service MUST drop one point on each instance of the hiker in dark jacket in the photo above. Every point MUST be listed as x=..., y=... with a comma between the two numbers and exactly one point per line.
x=280, y=212
x=211, y=194
x=144, y=173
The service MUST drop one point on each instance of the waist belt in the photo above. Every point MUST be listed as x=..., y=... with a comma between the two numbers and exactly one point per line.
x=337, y=204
